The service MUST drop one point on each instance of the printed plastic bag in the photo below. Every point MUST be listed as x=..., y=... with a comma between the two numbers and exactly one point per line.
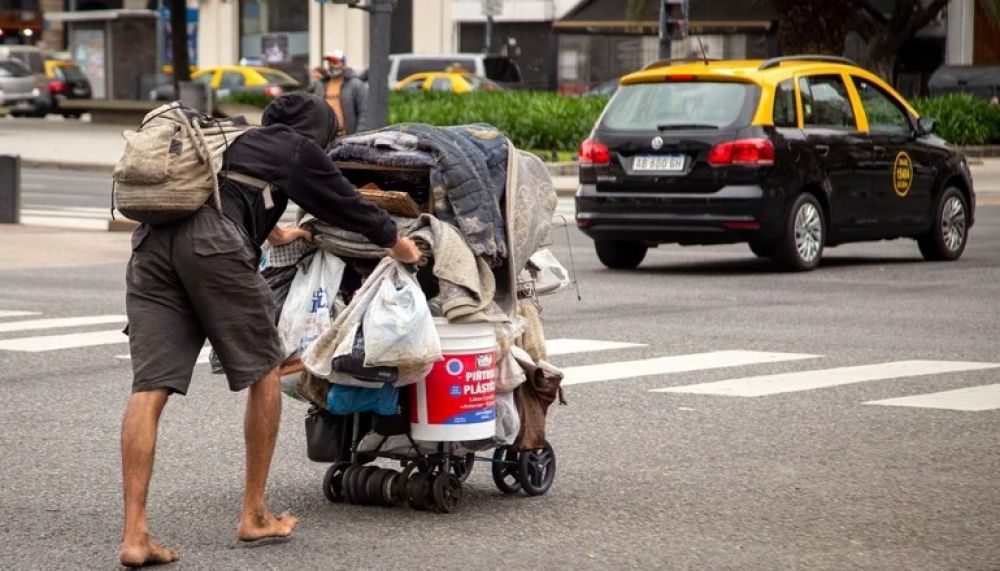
x=307, y=310
x=510, y=375
x=399, y=328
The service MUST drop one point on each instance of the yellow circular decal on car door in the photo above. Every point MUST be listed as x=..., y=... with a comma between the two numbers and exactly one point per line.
x=902, y=174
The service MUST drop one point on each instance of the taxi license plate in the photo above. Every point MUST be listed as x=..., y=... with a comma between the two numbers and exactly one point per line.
x=658, y=163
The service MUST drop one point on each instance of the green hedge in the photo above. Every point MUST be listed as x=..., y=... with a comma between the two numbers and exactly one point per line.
x=962, y=119
x=532, y=119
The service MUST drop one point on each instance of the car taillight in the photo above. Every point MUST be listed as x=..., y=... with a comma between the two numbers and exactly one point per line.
x=744, y=152
x=594, y=154
x=57, y=86
x=273, y=91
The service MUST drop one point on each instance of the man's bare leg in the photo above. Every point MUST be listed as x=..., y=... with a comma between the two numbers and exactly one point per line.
x=142, y=416
x=260, y=430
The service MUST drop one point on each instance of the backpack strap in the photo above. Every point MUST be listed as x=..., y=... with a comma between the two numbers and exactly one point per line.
x=261, y=185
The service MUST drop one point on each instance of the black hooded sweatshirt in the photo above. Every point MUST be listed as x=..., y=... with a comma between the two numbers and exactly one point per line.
x=288, y=152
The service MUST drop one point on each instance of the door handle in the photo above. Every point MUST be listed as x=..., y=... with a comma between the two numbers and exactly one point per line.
x=823, y=150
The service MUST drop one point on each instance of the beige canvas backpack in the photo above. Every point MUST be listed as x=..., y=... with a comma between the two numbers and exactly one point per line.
x=171, y=165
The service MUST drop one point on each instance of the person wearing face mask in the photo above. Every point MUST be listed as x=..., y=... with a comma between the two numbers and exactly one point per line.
x=343, y=91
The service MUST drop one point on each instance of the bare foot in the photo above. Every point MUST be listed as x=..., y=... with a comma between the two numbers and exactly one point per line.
x=263, y=525
x=145, y=552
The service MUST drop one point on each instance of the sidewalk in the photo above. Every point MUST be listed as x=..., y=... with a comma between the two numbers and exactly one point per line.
x=71, y=144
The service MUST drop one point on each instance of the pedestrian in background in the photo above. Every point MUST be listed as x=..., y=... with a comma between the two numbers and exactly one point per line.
x=343, y=91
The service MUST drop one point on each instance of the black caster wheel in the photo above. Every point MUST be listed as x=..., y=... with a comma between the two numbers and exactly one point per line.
x=505, y=470
x=463, y=469
x=419, y=492
x=537, y=469
x=361, y=484
x=333, y=482
x=348, y=483
x=399, y=494
x=447, y=493
x=389, y=488
x=374, y=486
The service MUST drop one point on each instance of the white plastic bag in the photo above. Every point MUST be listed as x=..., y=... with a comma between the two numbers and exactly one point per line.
x=508, y=422
x=308, y=309
x=510, y=375
x=552, y=277
x=399, y=329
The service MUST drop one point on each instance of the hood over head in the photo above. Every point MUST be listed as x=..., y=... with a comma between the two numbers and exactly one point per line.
x=307, y=114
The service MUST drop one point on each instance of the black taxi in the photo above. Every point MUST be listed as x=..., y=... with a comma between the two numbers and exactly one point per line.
x=790, y=155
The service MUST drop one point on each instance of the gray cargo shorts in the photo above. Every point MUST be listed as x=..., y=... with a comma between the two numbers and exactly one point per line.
x=190, y=280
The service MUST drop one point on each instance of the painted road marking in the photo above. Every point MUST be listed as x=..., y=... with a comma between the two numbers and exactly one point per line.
x=985, y=397
x=71, y=341
x=673, y=364
x=568, y=346
x=13, y=313
x=823, y=378
x=202, y=355
x=60, y=322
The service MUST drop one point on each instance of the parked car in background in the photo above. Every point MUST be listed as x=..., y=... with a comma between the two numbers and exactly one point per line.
x=446, y=81
x=66, y=81
x=603, y=89
x=19, y=93
x=499, y=69
x=227, y=80
x=789, y=155
x=34, y=60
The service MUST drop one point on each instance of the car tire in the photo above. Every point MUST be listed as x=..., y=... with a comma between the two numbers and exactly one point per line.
x=801, y=246
x=620, y=254
x=949, y=233
x=761, y=249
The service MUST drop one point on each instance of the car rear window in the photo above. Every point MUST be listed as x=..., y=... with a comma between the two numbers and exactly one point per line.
x=277, y=77
x=649, y=106
x=13, y=68
x=72, y=73
x=408, y=67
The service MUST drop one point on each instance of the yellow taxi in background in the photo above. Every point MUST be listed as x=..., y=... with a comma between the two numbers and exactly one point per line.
x=448, y=81
x=226, y=80
x=66, y=81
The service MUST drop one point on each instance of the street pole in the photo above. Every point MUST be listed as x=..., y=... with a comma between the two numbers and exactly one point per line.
x=380, y=14
x=664, y=51
x=489, y=34
x=322, y=31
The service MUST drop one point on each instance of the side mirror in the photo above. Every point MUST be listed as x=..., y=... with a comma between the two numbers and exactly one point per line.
x=925, y=126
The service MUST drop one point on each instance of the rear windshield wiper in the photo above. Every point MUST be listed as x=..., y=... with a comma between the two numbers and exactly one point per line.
x=680, y=126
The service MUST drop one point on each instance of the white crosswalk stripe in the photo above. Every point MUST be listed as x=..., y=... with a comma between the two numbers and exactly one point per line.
x=92, y=218
x=60, y=322
x=975, y=398
x=823, y=378
x=68, y=341
x=14, y=313
x=985, y=397
x=673, y=364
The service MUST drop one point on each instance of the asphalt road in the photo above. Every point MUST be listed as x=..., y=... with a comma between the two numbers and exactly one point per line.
x=799, y=479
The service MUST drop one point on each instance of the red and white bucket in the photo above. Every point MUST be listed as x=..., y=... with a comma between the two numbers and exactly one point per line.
x=456, y=401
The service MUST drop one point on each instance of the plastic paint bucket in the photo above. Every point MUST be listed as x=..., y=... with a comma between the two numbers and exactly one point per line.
x=455, y=402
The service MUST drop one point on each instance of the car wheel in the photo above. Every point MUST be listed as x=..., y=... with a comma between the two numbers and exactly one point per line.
x=950, y=231
x=761, y=249
x=620, y=255
x=801, y=246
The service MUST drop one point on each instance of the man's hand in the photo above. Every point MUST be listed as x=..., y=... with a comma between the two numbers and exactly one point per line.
x=405, y=251
x=281, y=236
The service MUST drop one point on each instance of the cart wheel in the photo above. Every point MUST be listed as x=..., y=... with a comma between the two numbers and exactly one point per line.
x=447, y=493
x=389, y=488
x=418, y=491
x=505, y=470
x=377, y=486
x=333, y=482
x=361, y=484
x=399, y=494
x=537, y=470
x=463, y=469
x=348, y=483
